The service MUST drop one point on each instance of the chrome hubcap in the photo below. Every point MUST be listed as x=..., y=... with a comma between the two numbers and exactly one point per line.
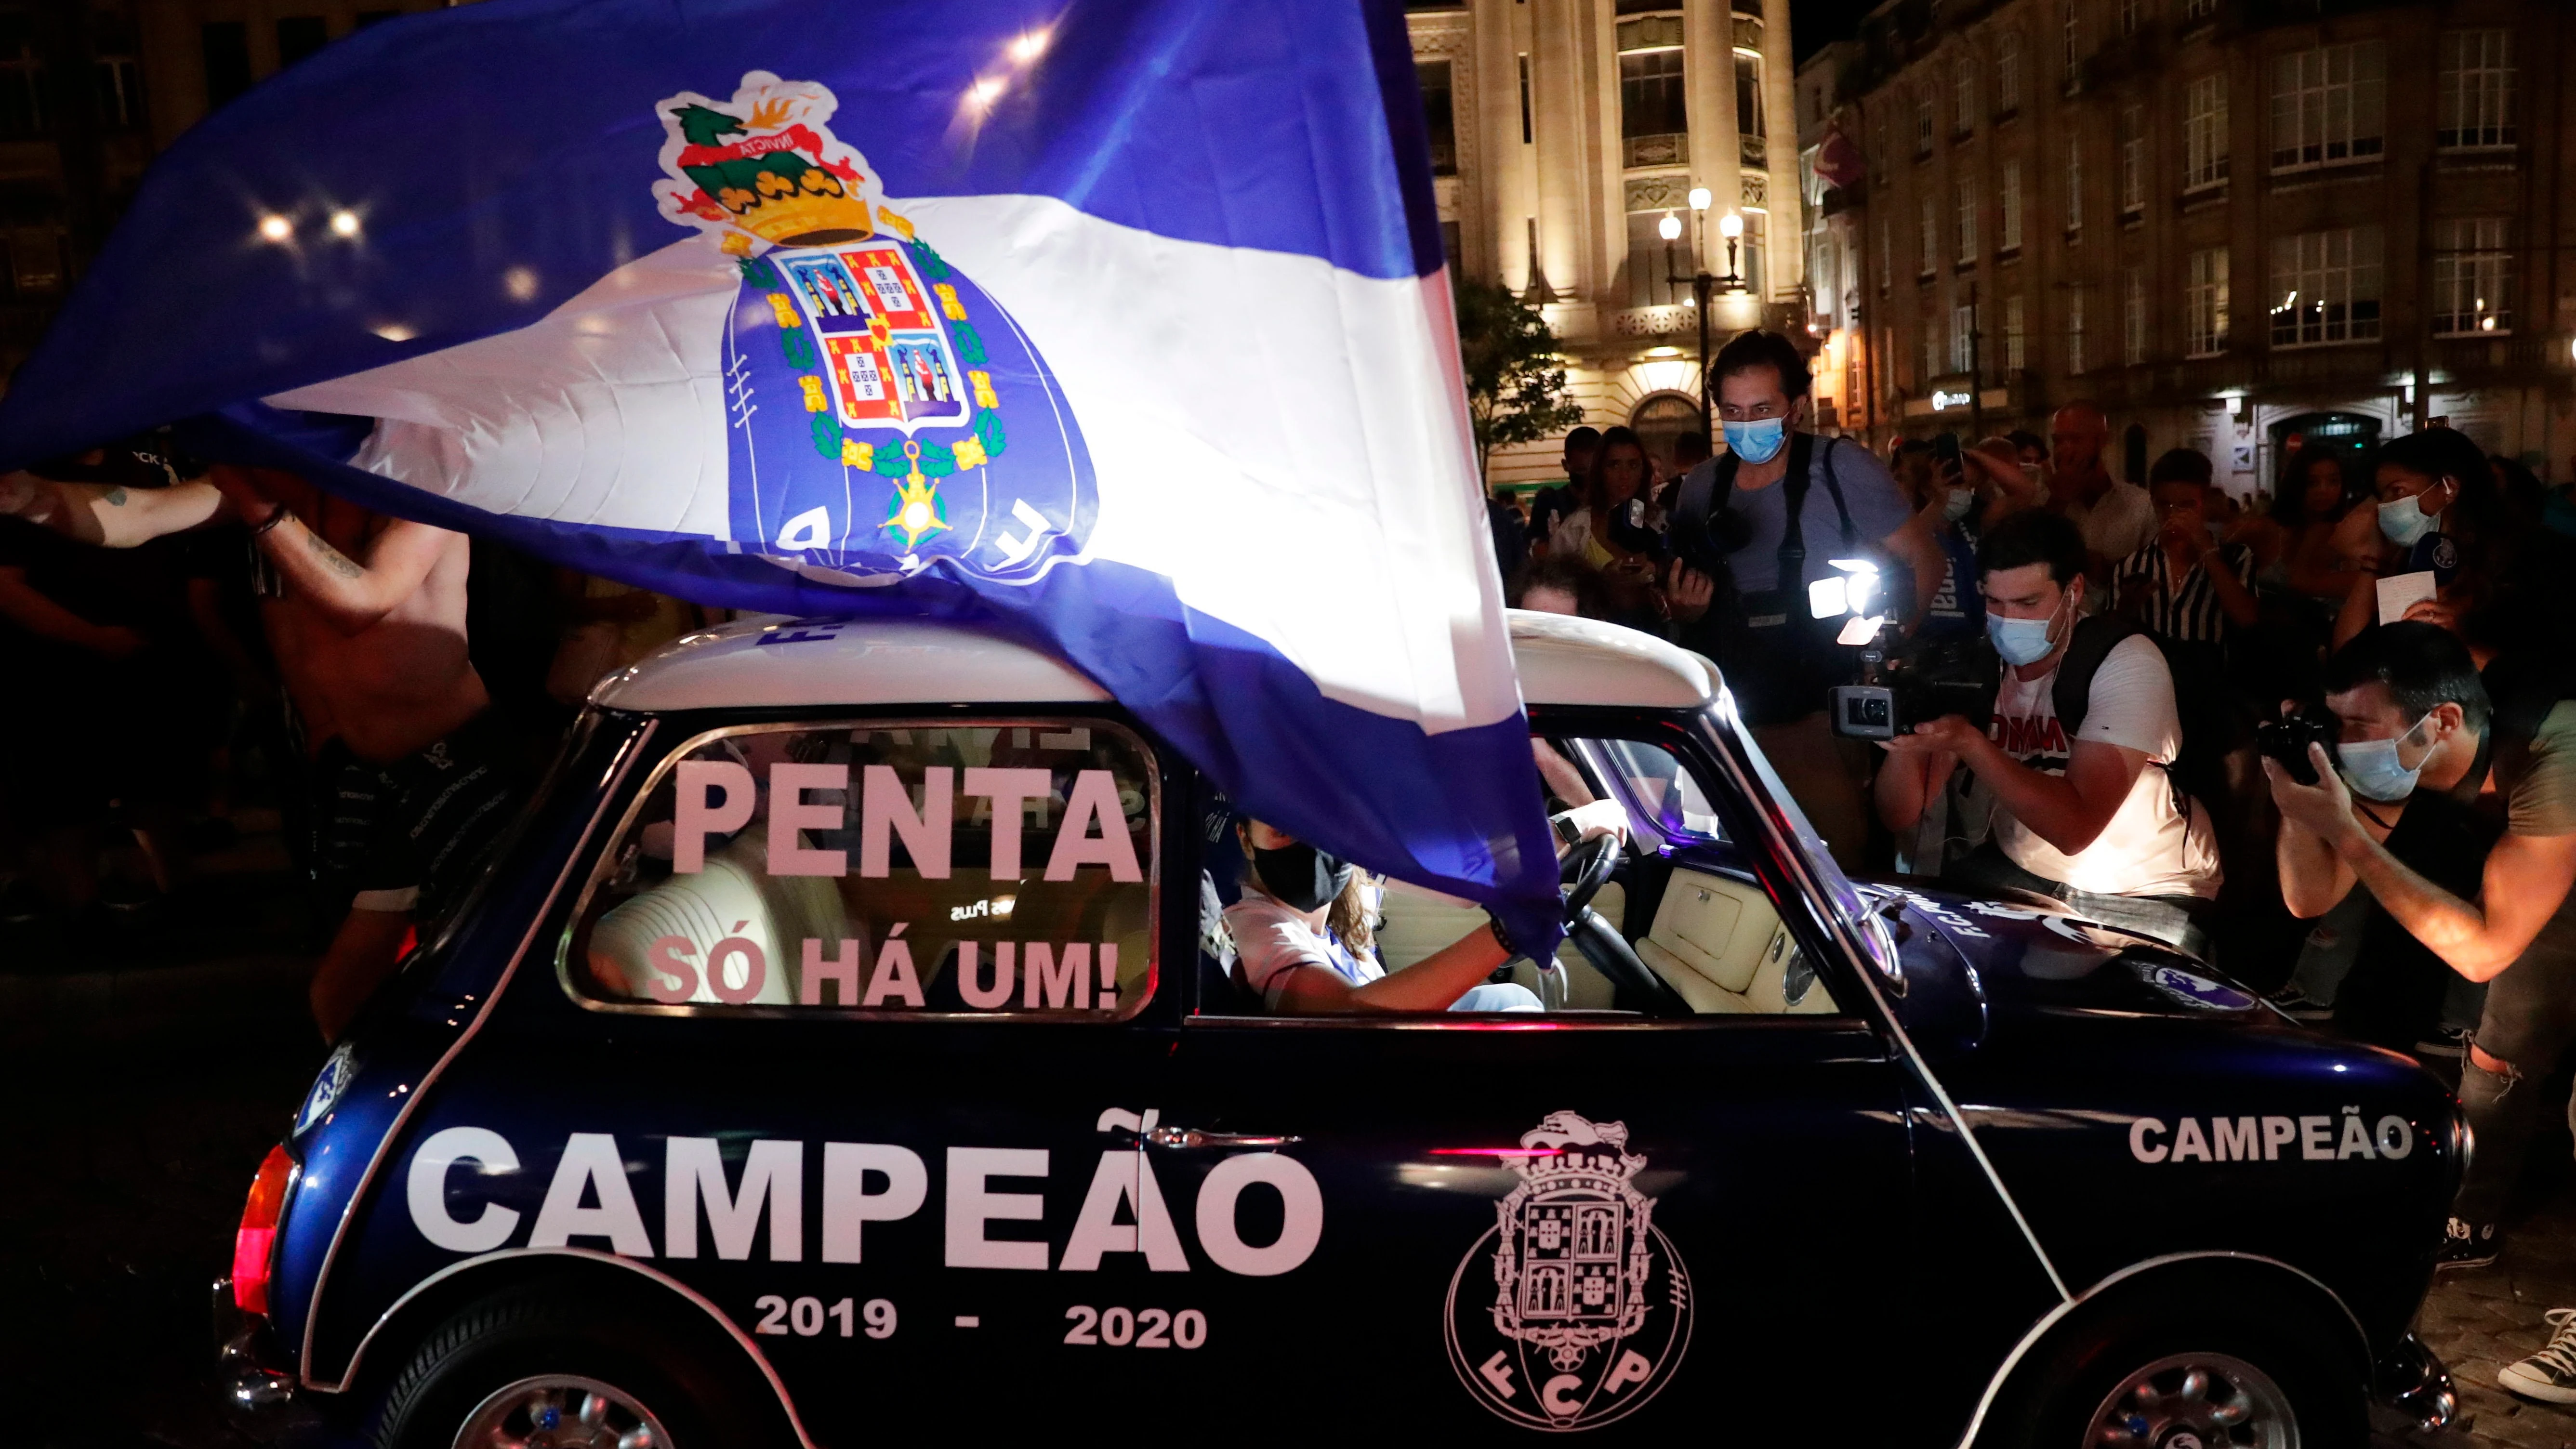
x=561, y=1411
x=2195, y=1401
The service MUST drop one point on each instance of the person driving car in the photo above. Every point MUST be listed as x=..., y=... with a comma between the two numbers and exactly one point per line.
x=1303, y=943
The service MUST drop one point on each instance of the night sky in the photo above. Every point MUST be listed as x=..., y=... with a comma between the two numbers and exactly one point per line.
x=1814, y=24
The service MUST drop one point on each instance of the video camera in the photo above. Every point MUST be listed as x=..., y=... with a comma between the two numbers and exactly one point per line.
x=1905, y=683
x=2287, y=739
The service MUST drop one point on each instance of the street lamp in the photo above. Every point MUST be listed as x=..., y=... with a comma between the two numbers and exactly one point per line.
x=1731, y=227
x=1699, y=281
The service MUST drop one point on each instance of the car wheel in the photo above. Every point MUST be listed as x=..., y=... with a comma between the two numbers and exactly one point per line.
x=557, y=1366
x=2191, y=1382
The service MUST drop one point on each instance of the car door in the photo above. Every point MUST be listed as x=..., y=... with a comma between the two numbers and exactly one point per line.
x=1565, y=1221
x=851, y=1025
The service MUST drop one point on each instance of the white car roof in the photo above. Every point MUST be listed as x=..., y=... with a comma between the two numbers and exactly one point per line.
x=770, y=661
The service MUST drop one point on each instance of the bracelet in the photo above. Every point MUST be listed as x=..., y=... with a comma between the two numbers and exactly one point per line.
x=276, y=516
x=1502, y=937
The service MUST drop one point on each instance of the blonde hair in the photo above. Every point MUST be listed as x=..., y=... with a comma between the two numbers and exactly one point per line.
x=1348, y=916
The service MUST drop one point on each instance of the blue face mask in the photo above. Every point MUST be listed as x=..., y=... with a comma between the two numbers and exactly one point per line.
x=2371, y=771
x=2020, y=641
x=2404, y=521
x=1758, y=441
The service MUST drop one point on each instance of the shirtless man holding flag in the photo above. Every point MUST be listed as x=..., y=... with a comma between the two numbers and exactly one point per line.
x=366, y=617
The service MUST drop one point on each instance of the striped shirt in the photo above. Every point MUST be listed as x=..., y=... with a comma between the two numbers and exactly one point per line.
x=2188, y=611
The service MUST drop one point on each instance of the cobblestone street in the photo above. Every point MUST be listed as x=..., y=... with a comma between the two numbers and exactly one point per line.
x=2482, y=1319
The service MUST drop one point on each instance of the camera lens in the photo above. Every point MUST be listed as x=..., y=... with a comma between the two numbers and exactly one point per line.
x=1874, y=711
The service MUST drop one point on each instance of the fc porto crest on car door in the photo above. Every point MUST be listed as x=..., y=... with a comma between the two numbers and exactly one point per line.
x=1589, y=1311
x=883, y=413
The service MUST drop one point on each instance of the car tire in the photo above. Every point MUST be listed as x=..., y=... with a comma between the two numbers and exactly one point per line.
x=561, y=1343
x=2295, y=1376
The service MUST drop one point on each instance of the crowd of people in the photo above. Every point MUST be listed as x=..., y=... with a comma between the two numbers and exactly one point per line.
x=207, y=633
x=2322, y=734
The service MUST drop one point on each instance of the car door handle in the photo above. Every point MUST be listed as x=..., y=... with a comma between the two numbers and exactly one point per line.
x=1193, y=1137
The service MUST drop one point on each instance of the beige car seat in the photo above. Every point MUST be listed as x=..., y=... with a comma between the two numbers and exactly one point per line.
x=734, y=896
x=1720, y=945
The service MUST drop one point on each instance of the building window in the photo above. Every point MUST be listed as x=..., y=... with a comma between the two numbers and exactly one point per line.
x=2328, y=105
x=1749, y=127
x=2016, y=341
x=1928, y=358
x=299, y=36
x=2008, y=72
x=1755, y=249
x=2325, y=287
x=1922, y=122
x=2073, y=58
x=22, y=77
x=1652, y=119
x=2199, y=9
x=2204, y=132
x=227, y=53
x=1931, y=236
x=2205, y=302
x=1963, y=339
x=2133, y=159
x=2008, y=199
x=1652, y=262
x=2075, y=332
x=2131, y=16
x=2074, y=185
x=2133, y=317
x=2472, y=277
x=1525, y=101
x=1967, y=222
x=1886, y=256
x=1963, y=94
x=2475, y=107
x=1439, y=116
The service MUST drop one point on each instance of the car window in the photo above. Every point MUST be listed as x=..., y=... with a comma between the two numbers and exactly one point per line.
x=1660, y=795
x=1002, y=868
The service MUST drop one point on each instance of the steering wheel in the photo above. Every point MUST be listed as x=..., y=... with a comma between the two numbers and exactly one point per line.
x=1584, y=871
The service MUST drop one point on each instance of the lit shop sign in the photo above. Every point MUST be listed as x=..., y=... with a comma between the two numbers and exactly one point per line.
x=1944, y=401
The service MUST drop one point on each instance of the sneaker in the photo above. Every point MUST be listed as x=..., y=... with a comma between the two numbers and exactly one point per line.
x=2449, y=1041
x=2549, y=1375
x=2468, y=1245
x=2300, y=1005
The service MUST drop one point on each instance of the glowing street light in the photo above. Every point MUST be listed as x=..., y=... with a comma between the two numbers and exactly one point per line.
x=273, y=227
x=1670, y=228
x=344, y=223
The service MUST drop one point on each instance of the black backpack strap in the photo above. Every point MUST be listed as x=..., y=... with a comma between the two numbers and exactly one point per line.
x=1834, y=487
x=2072, y=692
x=1793, y=532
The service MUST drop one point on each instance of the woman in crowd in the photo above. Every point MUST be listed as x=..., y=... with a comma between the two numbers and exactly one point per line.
x=2314, y=568
x=1616, y=530
x=2497, y=580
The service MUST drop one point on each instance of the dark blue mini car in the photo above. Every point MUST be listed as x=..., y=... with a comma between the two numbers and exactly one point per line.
x=845, y=1044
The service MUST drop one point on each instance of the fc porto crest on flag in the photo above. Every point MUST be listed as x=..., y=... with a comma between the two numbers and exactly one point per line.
x=882, y=410
x=1591, y=1308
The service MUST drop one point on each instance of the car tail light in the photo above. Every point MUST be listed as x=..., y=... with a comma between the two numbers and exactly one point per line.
x=257, y=1235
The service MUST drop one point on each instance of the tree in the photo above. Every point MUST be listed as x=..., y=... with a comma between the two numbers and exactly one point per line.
x=1515, y=380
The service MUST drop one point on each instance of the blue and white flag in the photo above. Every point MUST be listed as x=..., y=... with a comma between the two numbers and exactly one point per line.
x=1121, y=327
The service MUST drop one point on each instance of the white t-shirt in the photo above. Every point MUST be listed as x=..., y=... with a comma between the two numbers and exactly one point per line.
x=2149, y=848
x=2120, y=523
x=1271, y=938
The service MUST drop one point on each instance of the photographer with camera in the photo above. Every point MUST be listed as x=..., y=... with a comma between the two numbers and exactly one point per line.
x=2467, y=869
x=2076, y=772
x=1750, y=531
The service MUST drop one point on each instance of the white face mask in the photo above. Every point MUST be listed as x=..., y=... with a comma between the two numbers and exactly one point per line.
x=2370, y=768
x=2023, y=641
